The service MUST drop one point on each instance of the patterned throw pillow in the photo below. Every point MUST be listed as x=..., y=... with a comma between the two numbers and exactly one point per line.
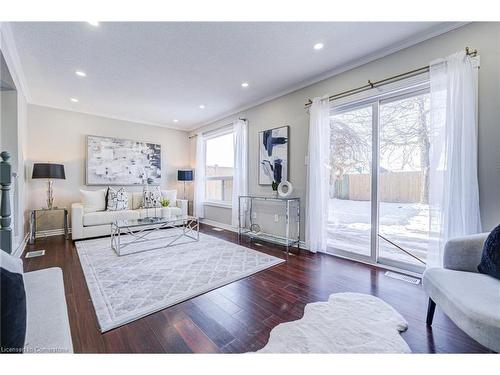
x=152, y=197
x=117, y=200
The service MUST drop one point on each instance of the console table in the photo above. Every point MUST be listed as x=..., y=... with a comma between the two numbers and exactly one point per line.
x=44, y=210
x=291, y=209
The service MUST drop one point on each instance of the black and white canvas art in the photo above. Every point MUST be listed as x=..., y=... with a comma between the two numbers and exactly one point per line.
x=115, y=161
x=273, y=155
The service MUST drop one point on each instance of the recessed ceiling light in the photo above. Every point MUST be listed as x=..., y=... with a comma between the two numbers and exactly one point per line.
x=202, y=106
x=175, y=120
x=74, y=100
x=81, y=73
x=93, y=23
x=318, y=46
x=244, y=84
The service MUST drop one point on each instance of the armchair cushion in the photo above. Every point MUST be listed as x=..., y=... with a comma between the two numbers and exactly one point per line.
x=464, y=253
x=490, y=259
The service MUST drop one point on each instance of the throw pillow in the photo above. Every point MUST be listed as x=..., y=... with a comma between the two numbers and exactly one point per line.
x=490, y=259
x=13, y=312
x=171, y=195
x=152, y=197
x=117, y=200
x=93, y=200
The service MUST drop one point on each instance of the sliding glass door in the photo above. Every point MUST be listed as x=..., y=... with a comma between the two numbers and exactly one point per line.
x=350, y=208
x=378, y=206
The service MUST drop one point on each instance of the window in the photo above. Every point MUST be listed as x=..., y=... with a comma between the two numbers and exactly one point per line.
x=219, y=169
x=379, y=186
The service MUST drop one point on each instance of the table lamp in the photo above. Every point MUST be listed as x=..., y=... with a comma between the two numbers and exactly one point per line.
x=49, y=171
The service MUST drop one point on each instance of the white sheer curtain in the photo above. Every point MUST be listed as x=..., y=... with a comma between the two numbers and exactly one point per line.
x=453, y=187
x=240, y=181
x=318, y=175
x=199, y=181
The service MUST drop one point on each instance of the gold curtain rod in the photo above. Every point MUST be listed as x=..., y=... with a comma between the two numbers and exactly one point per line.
x=220, y=127
x=385, y=81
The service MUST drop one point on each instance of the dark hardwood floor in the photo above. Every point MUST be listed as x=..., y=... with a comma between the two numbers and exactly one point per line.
x=238, y=317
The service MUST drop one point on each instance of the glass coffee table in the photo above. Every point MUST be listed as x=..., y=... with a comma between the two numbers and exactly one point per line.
x=139, y=233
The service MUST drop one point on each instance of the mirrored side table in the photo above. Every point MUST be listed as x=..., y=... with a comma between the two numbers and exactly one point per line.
x=45, y=210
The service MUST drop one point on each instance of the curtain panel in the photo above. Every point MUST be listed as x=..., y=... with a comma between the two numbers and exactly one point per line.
x=199, y=181
x=453, y=186
x=240, y=177
x=318, y=171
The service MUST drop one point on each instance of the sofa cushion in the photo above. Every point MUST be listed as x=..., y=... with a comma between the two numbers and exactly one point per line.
x=116, y=200
x=13, y=312
x=171, y=195
x=107, y=217
x=48, y=329
x=93, y=200
x=137, y=199
x=471, y=300
x=490, y=258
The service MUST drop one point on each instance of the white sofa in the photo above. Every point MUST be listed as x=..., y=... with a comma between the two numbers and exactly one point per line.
x=98, y=223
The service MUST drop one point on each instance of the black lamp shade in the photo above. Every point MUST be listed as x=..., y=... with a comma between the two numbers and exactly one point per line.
x=47, y=170
x=185, y=175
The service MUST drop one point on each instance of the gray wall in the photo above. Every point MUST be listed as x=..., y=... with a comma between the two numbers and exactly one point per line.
x=56, y=135
x=289, y=110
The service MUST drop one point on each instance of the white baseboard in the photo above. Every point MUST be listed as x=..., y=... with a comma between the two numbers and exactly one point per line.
x=219, y=225
x=51, y=233
x=20, y=246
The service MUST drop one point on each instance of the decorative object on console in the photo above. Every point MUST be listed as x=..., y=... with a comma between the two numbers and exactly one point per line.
x=285, y=189
x=116, y=200
x=114, y=161
x=273, y=155
x=185, y=175
x=49, y=171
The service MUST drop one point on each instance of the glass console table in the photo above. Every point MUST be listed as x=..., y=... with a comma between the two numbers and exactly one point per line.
x=253, y=224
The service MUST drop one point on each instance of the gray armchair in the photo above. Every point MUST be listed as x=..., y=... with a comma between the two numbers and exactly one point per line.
x=470, y=299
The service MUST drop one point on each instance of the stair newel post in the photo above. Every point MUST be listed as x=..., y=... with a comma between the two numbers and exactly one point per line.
x=5, y=210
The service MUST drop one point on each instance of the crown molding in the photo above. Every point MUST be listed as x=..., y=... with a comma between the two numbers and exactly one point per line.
x=9, y=51
x=110, y=117
x=409, y=42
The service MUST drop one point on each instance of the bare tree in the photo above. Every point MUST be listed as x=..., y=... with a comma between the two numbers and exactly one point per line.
x=404, y=139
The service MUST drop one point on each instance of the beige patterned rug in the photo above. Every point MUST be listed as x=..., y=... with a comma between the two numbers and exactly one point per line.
x=126, y=288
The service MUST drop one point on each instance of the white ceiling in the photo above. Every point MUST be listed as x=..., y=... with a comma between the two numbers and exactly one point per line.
x=157, y=72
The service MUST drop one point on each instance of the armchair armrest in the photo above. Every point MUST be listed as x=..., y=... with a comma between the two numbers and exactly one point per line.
x=464, y=253
x=77, y=220
x=183, y=205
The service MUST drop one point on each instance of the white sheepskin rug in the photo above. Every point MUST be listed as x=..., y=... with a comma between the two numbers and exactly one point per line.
x=347, y=323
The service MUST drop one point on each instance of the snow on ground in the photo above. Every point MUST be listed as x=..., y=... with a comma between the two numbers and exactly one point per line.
x=406, y=224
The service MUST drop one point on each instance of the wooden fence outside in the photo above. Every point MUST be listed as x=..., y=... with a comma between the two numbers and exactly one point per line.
x=397, y=187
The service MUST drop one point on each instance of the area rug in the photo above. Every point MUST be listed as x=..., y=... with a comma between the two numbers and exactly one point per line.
x=346, y=323
x=126, y=288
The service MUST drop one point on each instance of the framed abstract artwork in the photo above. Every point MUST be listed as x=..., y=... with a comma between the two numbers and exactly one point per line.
x=273, y=155
x=115, y=161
